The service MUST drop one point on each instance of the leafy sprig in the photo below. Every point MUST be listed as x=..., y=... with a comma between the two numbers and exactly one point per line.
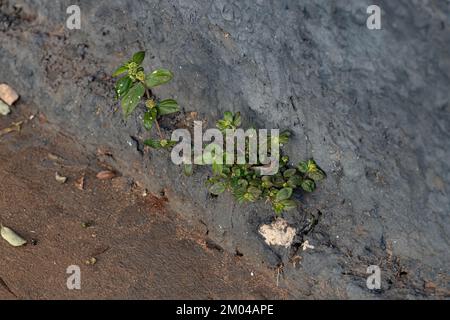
x=134, y=85
x=246, y=183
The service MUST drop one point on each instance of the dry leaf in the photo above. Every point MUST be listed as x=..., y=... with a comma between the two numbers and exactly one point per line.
x=13, y=238
x=15, y=126
x=60, y=178
x=105, y=175
x=296, y=260
x=79, y=183
x=54, y=157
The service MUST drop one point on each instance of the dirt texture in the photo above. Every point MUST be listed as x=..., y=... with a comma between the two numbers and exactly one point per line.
x=372, y=107
x=142, y=249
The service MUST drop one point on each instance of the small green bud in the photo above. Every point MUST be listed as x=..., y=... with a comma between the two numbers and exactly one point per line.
x=132, y=70
x=150, y=104
x=140, y=76
x=132, y=66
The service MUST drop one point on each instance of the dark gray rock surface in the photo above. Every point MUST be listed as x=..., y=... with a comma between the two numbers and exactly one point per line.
x=371, y=106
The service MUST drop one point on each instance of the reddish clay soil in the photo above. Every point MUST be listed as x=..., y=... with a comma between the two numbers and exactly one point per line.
x=142, y=249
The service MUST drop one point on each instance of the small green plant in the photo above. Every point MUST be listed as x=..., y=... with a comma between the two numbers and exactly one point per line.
x=246, y=183
x=134, y=85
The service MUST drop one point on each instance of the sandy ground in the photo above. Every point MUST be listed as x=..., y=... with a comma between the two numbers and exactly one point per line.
x=142, y=249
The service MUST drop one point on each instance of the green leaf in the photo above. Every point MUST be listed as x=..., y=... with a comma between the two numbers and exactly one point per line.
x=242, y=184
x=132, y=98
x=119, y=71
x=138, y=57
x=278, y=180
x=153, y=143
x=266, y=182
x=237, y=188
x=188, y=169
x=222, y=124
x=123, y=85
x=240, y=196
x=289, y=173
x=254, y=191
x=283, y=194
x=228, y=116
x=314, y=172
x=167, y=106
x=284, y=160
x=317, y=174
x=294, y=181
x=302, y=167
x=308, y=185
x=278, y=208
x=237, y=120
x=284, y=137
x=236, y=171
x=288, y=205
x=149, y=118
x=158, y=77
x=217, y=168
x=226, y=170
x=167, y=143
x=311, y=165
x=217, y=188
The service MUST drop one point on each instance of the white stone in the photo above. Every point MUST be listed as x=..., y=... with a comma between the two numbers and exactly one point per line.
x=306, y=245
x=278, y=233
x=4, y=108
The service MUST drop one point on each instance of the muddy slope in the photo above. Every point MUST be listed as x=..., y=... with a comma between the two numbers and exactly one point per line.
x=372, y=107
x=142, y=249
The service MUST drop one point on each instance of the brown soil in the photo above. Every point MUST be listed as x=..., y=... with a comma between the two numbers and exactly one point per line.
x=142, y=249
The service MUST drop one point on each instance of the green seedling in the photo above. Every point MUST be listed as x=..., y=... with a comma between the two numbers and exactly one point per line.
x=134, y=86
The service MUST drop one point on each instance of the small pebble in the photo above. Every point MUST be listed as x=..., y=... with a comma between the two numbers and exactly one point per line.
x=7, y=94
x=4, y=108
x=86, y=224
x=91, y=261
x=60, y=178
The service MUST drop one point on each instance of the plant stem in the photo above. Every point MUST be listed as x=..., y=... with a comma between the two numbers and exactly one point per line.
x=159, y=129
x=149, y=96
